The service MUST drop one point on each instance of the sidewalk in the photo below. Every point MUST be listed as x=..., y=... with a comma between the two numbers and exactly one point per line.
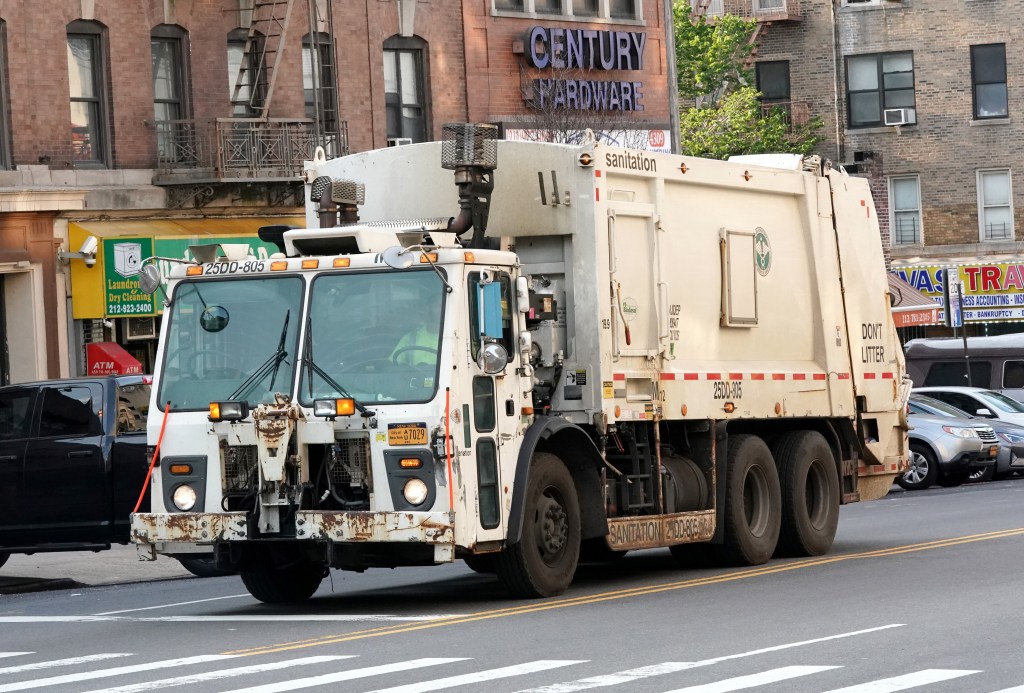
x=70, y=569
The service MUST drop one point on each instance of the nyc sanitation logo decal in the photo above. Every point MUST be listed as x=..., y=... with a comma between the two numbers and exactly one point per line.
x=762, y=252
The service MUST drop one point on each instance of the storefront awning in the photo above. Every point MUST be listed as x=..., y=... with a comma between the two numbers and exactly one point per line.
x=909, y=306
x=109, y=287
x=109, y=358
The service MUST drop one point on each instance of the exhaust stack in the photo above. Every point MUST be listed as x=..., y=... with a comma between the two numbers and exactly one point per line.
x=471, y=151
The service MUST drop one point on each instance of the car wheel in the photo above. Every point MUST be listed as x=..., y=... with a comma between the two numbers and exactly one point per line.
x=984, y=474
x=923, y=469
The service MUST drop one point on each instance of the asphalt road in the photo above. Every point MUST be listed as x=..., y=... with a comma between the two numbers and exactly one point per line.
x=918, y=593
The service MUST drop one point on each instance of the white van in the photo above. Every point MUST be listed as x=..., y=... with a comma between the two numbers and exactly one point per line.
x=997, y=363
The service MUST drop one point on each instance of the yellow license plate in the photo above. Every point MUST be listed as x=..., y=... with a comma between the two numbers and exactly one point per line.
x=407, y=434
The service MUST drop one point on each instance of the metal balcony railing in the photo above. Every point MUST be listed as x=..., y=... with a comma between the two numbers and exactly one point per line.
x=795, y=113
x=761, y=10
x=245, y=149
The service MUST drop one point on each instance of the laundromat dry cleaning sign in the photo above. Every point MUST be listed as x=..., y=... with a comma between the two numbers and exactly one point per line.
x=122, y=261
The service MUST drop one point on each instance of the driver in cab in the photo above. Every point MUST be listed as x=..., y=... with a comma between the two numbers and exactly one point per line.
x=420, y=346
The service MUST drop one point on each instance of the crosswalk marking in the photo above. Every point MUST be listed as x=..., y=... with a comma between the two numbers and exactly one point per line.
x=63, y=662
x=477, y=677
x=116, y=671
x=222, y=674
x=350, y=675
x=902, y=683
x=738, y=683
x=627, y=676
x=1015, y=689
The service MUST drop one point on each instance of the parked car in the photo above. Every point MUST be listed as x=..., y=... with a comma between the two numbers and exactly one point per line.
x=946, y=450
x=997, y=362
x=73, y=462
x=978, y=401
x=1011, y=437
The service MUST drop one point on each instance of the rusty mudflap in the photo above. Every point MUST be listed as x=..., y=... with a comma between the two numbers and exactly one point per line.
x=415, y=527
x=194, y=528
x=652, y=531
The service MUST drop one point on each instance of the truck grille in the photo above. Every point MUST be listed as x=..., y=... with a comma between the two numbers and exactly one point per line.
x=987, y=435
x=351, y=464
x=239, y=472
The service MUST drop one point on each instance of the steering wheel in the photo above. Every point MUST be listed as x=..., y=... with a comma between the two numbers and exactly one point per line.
x=413, y=347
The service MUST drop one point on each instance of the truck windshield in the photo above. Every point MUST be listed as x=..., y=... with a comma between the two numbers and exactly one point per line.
x=374, y=334
x=231, y=338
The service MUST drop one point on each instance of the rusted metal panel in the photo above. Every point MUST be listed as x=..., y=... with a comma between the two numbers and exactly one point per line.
x=427, y=528
x=652, y=531
x=149, y=528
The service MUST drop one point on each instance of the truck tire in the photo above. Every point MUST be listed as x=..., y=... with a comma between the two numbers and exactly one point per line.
x=543, y=562
x=203, y=566
x=923, y=470
x=810, y=494
x=753, y=502
x=283, y=584
x=3, y=558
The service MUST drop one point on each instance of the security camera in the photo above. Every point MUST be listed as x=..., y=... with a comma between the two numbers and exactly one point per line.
x=89, y=246
x=87, y=253
x=89, y=260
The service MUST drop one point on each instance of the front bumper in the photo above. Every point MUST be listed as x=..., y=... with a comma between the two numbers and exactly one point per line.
x=310, y=525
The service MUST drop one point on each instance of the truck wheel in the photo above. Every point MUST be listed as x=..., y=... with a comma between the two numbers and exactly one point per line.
x=3, y=558
x=753, y=502
x=810, y=494
x=544, y=561
x=283, y=584
x=923, y=469
x=203, y=566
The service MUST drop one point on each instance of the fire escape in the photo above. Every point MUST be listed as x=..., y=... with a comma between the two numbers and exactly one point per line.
x=251, y=146
x=766, y=13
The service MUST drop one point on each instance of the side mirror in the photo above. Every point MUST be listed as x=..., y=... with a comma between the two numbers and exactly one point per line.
x=522, y=295
x=149, y=279
x=492, y=358
x=396, y=257
x=985, y=412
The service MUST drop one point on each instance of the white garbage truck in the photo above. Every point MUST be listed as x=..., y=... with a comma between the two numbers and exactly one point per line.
x=524, y=355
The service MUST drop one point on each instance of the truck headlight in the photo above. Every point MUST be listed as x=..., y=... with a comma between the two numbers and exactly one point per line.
x=184, y=497
x=415, y=491
x=960, y=432
x=228, y=411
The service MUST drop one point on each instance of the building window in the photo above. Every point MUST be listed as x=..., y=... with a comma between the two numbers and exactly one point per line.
x=167, y=45
x=87, y=83
x=905, y=214
x=995, y=209
x=319, y=84
x=403, y=88
x=988, y=78
x=246, y=87
x=584, y=9
x=877, y=82
x=773, y=81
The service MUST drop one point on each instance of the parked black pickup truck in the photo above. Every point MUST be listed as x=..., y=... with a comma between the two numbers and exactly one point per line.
x=72, y=465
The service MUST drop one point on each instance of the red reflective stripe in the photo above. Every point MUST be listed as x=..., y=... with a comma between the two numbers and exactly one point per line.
x=799, y=376
x=690, y=376
x=757, y=376
x=778, y=376
x=735, y=376
x=887, y=376
x=667, y=376
x=820, y=376
x=619, y=376
x=869, y=376
x=713, y=376
x=844, y=376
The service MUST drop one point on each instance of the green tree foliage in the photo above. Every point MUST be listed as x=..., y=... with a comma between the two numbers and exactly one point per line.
x=727, y=118
x=739, y=125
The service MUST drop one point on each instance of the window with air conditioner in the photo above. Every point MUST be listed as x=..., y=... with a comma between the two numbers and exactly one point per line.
x=905, y=209
x=995, y=205
x=877, y=83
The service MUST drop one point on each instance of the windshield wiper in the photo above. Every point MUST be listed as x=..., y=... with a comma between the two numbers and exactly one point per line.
x=268, y=367
x=307, y=361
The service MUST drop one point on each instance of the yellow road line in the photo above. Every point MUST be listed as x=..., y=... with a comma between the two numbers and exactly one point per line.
x=533, y=607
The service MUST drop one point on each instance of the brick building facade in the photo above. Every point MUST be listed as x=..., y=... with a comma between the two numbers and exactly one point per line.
x=138, y=126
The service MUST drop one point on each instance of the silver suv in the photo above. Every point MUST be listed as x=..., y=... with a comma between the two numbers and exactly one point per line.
x=946, y=450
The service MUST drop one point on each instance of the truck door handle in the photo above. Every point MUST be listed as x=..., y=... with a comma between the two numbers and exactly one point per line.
x=81, y=453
